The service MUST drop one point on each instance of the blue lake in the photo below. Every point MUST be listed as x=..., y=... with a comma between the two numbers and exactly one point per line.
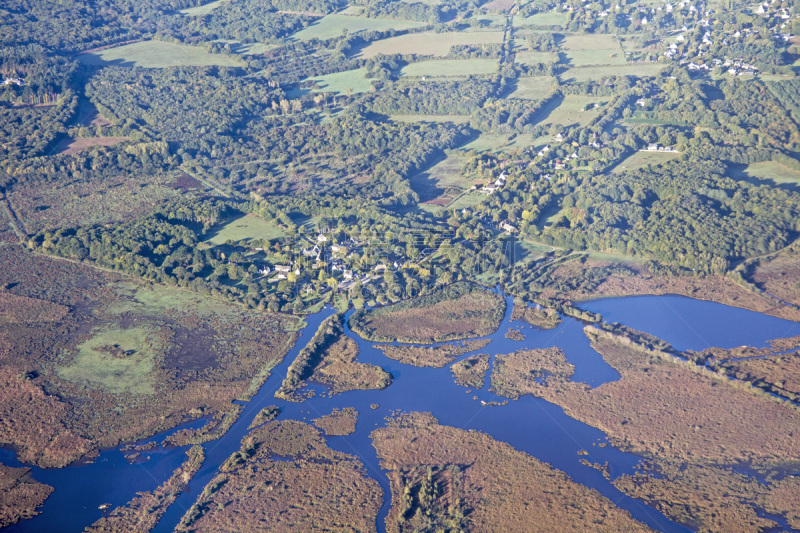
x=529, y=424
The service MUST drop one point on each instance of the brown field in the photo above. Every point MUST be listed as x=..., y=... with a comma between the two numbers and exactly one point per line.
x=87, y=381
x=340, y=371
x=449, y=479
x=712, y=288
x=528, y=371
x=317, y=489
x=460, y=311
x=20, y=495
x=713, y=498
x=696, y=428
x=778, y=374
x=436, y=356
x=339, y=422
x=543, y=318
x=663, y=408
x=87, y=198
x=76, y=145
x=471, y=372
x=143, y=512
x=780, y=276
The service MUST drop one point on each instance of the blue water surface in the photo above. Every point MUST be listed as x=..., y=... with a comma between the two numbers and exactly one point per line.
x=529, y=424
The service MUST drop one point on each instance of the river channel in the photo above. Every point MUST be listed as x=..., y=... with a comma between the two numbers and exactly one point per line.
x=529, y=424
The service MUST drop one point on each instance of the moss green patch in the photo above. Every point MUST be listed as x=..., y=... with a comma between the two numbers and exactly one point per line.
x=770, y=170
x=331, y=26
x=542, y=19
x=246, y=228
x=202, y=10
x=597, y=72
x=642, y=159
x=157, y=54
x=536, y=88
x=117, y=360
x=339, y=82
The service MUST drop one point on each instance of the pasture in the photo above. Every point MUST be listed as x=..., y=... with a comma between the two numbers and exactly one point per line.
x=246, y=228
x=442, y=183
x=157, y=54
x=331, y=26
x=535, y=88
x=770, y=170
x=451, y=67
x=571, y=110
x=526, y=57
x=542, y=19
x=499, y=142
x=643, y=159
x=339, y=82
x=205, y=9
x=429, y=43
x=595, y=73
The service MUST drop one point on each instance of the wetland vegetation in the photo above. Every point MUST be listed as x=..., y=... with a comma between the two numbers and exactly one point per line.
x=183, y=185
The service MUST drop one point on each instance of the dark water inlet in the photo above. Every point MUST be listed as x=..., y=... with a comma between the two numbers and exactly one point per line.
x=529, y=424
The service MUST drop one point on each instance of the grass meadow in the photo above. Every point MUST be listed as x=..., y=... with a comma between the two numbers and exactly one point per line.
x=642, y=159
x=246, y=228
x=542, y=19
x=331, y=26
x=157, y=54
x=535, y=88
x=595, y=73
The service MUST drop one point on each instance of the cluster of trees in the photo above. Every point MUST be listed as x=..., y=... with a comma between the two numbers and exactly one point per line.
x=292, y=63
x=435, y=97
x=751, y=108
x=196, y=108
x=687, y=213
x=250, y=20
x=30, y=131
x=508, y=116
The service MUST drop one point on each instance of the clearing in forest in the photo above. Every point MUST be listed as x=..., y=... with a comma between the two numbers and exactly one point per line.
x=157, y=54
x=331, y=26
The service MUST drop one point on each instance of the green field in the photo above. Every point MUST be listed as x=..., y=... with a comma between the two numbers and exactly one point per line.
x=443, y=182
x=157, y=54
x=570, y=111
x=429, y=43
x=451, y=67
x=246, y=228
x=535, y=88
x=770, y=170
x=331, y=26
x=338, y=82
x=599, y=41
x=117, y=360
x=581, y=58
x=595, y=73
x=458, y=119
x=542, y=19
x=642, y=159
x=202, y=10
x=498, y=142
x=531, y=58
